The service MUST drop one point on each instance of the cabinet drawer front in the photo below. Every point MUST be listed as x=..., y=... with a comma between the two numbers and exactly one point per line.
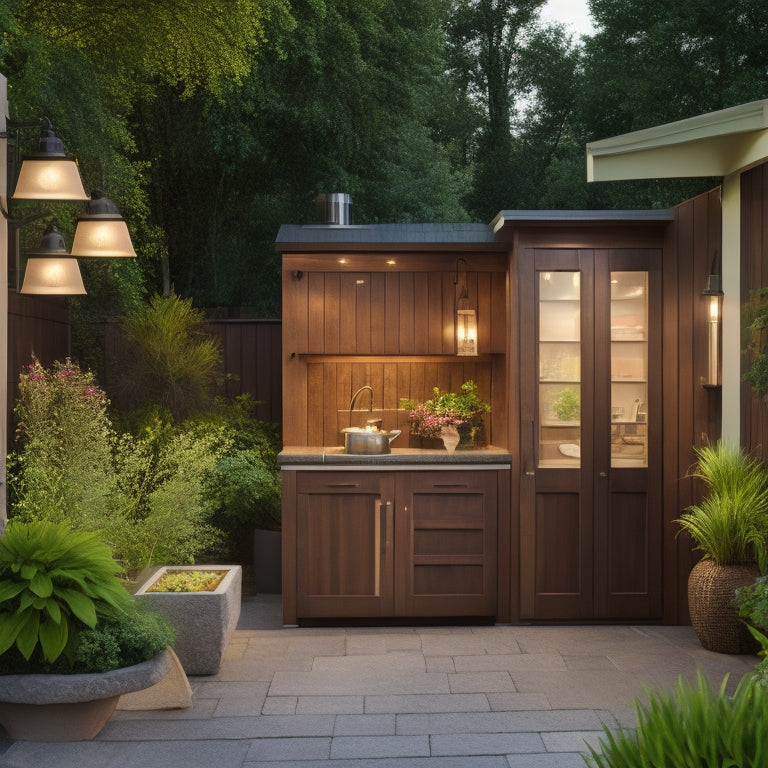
x=338, y=482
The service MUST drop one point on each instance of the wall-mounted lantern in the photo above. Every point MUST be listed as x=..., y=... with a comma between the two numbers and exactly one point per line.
x=713, y=294
x=50, y=174
x=466, y=318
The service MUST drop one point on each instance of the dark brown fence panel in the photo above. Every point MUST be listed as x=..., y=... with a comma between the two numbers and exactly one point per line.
x=251, y=351
x=38, y=326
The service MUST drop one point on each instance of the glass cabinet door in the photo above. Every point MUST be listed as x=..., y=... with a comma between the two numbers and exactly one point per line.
x=559, y=309
x=629, y=369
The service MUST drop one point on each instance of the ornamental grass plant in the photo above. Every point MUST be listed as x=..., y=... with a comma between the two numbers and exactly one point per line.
x=696, y=727
x=730, y=524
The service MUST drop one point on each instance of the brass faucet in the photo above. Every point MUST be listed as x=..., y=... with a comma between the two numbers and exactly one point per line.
x=357, y=394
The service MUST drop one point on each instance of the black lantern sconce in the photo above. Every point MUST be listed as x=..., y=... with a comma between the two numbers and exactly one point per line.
x=466, y=318
x=713, y=293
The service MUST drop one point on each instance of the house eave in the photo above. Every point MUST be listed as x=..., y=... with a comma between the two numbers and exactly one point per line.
x=716, y=144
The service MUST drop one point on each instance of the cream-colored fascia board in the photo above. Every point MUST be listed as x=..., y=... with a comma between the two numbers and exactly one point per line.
x=705, y=145
x=716, y=156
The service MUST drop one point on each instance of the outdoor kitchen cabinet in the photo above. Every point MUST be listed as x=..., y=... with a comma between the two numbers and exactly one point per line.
x=391, y=543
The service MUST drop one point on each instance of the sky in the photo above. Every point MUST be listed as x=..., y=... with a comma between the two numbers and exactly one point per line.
x=573, y=12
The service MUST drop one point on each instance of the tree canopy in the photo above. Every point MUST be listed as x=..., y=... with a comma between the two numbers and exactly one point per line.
x=212, y=124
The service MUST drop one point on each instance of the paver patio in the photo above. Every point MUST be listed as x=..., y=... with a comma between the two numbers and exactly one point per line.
x=397, y=697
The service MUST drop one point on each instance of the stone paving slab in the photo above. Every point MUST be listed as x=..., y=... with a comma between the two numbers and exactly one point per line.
x=397, y=697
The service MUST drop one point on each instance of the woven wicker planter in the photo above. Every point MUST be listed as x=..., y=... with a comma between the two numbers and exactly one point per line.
x=714, y=615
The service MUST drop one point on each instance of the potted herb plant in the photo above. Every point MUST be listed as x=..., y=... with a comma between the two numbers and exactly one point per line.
x=72, y=640
x=464, y=411
x=730, y=527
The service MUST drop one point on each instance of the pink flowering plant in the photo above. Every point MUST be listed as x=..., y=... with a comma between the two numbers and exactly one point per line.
x=458, y=409
x=61, y=470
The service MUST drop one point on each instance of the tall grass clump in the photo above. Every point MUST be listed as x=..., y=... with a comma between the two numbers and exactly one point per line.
x=695, y=727
x=730, y=524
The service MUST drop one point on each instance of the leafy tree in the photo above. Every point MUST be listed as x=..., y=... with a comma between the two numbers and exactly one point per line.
x=345, y=101
x=487, y=41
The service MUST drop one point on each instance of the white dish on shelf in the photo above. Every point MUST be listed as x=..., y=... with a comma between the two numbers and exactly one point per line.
x=570, y=449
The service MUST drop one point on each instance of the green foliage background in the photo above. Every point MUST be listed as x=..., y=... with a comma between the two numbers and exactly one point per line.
x=212, y=125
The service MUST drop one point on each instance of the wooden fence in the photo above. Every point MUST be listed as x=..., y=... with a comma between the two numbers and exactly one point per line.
x=251, y=350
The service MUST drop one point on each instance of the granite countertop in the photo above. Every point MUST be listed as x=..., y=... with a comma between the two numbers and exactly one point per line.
x=293, y=457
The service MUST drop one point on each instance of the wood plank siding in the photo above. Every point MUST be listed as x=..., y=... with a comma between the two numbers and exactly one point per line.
x=390, y=329
x=691, y=411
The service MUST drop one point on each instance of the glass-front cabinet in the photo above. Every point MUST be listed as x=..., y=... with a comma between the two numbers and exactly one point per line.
x=629, y=369
x=560, y=362
x=590, y=433
x=559, y=368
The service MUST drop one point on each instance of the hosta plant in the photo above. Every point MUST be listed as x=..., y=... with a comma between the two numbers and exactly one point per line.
x=54, y=583
x=694, y=728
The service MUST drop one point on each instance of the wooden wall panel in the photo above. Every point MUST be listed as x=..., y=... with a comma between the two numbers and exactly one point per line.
x=754, y=275
x=390, y=313
x=691, y=411
x=331, y=383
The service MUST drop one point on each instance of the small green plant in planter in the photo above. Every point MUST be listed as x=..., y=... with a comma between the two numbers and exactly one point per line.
x=72, y=640
x=464, y=410
x=730, y=527
x=188, y=581
x=695, y=728
x=59, y=592
x=567, y=407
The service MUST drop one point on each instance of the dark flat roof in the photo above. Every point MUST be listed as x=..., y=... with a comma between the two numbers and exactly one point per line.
x=385, y=233
x=293, y=236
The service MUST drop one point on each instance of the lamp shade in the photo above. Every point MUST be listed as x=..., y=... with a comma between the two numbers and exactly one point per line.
x=102, y=232
x=50, y=268
x=49, y=174
x=52, y=275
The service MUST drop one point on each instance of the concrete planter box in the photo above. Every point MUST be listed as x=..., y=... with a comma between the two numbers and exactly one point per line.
x=70, y=707
x=204, y=621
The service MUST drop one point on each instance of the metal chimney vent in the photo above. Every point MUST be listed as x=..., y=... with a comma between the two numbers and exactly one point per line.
x=335, y=208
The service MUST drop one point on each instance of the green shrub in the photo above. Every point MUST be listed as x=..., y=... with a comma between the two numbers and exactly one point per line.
x=694, y=728
x=163, y=515
x=753, y=603
x=172, y=360
x=54, y=582
x=243, y=489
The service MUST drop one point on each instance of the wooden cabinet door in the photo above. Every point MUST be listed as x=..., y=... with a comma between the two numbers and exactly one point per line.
x=590, y=502
x=445, y=544
x=344, y=552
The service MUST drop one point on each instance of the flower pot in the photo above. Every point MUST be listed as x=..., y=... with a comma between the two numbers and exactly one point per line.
x=714, y=615
x=42, y=707
x=204, y=621
x=450, y=438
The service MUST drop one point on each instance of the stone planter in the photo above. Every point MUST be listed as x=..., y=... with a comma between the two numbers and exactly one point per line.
x=204, y=621
x=70, y=707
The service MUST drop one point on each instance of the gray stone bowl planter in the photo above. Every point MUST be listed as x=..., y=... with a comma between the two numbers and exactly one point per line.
x=70, y=707
x=204, y=621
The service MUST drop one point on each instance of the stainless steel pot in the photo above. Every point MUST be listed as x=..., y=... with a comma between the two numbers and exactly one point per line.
x=358, y=440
